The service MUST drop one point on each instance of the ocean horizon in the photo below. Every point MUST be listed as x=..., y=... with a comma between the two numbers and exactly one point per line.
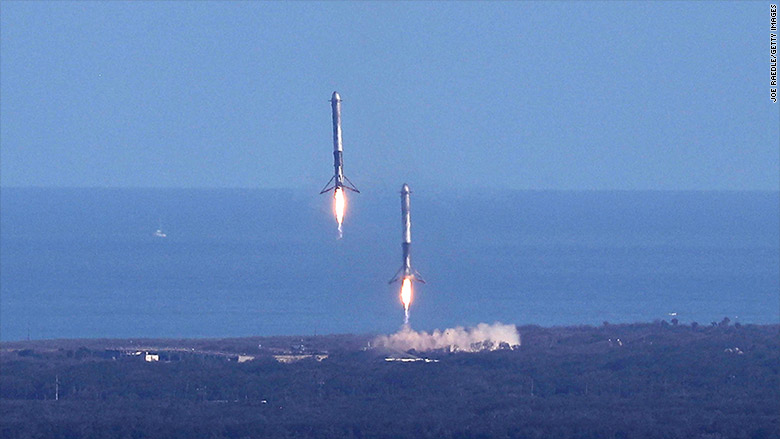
x=85, y=262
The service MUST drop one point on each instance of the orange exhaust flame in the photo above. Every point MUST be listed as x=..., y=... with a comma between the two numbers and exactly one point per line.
x=406, y=297
x=339, y=205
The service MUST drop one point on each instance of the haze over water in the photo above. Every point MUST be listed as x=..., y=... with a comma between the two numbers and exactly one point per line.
x=86, y=263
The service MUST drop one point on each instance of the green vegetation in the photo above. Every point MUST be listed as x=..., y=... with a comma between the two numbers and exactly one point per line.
x=615, y=381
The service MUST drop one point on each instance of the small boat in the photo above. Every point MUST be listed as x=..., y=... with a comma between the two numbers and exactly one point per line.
x=159, y=233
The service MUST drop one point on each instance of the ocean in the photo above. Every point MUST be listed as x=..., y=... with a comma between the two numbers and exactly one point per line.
x=85, y=263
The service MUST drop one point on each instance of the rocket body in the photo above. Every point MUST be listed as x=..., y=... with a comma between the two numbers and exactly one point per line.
x=338, y=160
x=338, y=179
x=406, y=271
x=406, y=232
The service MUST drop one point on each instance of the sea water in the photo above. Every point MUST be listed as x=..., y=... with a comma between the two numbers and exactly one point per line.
x=242, y=262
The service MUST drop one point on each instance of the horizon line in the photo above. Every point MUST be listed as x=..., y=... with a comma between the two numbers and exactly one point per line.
x=435, y=189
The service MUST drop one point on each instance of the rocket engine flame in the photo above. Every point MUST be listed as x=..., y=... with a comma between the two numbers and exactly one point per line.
x=339, y=204
x=406, y=297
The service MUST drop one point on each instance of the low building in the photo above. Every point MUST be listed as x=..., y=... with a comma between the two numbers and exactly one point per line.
x=245, y=358
x=292, y=358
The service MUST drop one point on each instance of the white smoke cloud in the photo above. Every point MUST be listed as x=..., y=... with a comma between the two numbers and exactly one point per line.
x=459, y=339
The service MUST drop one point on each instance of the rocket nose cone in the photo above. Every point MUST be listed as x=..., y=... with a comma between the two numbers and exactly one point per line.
x=405, y=188
x=335, y=96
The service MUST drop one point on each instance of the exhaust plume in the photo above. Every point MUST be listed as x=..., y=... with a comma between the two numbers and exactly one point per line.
x=406, y=297
x=483, y=337
x=339, y=204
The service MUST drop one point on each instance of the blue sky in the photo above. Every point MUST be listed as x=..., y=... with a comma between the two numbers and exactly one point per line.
x=527, y=95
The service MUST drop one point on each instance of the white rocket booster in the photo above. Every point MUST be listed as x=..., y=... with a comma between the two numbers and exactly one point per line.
x=339, y=180
x=406, y=271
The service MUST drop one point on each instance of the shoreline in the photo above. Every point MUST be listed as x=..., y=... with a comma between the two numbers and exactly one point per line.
x=352, y=341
